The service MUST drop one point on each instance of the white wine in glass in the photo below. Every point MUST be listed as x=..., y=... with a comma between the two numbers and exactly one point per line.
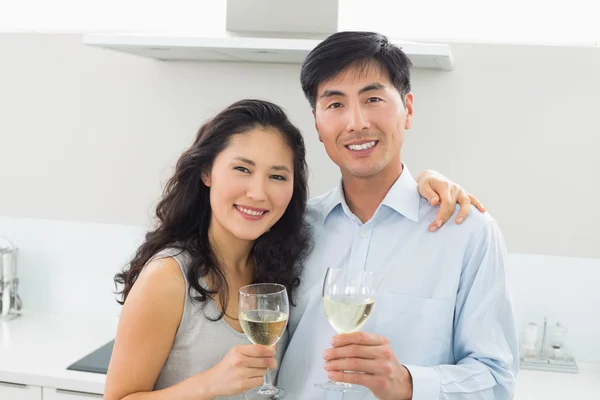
x=263, y=310
x=348, y=299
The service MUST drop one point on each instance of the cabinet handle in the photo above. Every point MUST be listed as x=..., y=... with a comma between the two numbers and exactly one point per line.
x=77, y=393
x=12, y=384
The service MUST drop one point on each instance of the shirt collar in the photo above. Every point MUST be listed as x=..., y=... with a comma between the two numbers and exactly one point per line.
x=336, y=199
x=403, y=197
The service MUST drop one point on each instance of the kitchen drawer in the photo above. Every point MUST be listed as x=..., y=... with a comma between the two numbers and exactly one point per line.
x=61, y=394
x=16, y=391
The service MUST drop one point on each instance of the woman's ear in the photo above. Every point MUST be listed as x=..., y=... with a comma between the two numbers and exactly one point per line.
x=206, y=178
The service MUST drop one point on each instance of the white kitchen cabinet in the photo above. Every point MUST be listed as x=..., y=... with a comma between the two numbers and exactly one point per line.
x=16, y=391
x=61, y=394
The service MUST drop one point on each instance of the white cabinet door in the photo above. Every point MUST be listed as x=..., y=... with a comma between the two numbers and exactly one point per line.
x=16, y=391
x=62, y=394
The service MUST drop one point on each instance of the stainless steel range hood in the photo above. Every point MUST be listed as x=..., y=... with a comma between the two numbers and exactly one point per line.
x=269, y=31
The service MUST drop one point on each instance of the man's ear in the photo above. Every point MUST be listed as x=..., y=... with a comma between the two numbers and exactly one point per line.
x=408, y=105
x=316, y=127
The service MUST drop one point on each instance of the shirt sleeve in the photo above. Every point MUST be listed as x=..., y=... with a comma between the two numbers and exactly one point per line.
x=485, y=338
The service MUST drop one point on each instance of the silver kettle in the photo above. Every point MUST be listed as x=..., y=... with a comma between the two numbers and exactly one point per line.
x=10, y=302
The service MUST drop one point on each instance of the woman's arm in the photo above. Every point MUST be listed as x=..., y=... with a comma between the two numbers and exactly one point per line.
x=438, y=189
x=147, y=327
x=149, y=321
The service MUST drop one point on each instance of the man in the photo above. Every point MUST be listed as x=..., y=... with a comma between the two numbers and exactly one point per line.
x=443, y=324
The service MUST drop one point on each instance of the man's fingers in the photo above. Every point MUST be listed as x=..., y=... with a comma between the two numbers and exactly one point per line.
x=363, y=338
x=374, y=367
x=367, y=346
x=348, y=377
x=465, y=206
x=351, y=351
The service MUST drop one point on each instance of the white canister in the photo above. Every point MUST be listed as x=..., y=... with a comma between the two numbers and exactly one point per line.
x=530, y=337
x=8, y=266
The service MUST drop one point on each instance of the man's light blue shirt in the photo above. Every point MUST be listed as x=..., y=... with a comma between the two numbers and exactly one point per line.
x=441, y=297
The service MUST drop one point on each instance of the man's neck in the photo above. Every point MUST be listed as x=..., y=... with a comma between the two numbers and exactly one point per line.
x=364, y=195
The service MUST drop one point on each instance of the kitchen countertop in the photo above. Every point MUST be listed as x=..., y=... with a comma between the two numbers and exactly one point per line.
x=36, y=349
x=543, y=385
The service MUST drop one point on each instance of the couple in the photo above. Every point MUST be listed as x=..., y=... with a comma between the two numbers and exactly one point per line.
x=236, y=212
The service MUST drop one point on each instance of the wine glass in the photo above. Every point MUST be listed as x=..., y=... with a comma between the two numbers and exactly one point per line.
x=263, y=310
x=348, y=299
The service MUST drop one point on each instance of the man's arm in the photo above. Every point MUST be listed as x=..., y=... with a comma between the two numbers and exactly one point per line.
x=485, y=340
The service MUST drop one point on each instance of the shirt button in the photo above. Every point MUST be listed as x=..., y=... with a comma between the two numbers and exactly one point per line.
x=363, y=234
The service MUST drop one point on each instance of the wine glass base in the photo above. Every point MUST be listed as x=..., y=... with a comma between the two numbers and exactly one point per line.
x=337, y=386
x=273, y=393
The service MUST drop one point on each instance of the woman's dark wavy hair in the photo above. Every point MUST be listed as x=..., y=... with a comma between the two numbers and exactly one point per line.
x=184, y=212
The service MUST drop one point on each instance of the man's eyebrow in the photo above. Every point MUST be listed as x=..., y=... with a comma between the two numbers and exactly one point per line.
x=331, y=93
x=372, y=86
x=335, y=92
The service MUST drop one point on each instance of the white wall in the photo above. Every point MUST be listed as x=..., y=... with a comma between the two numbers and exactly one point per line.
x=68, y=267
x=112, y=15
x=92, y=132
x=88, y=136
x=518, y=126
x=507, y=21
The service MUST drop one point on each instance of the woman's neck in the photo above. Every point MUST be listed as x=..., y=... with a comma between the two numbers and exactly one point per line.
x=233, y=253
x=234, y=260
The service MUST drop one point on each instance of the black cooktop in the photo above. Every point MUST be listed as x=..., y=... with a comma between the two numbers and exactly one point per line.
x=97, y=361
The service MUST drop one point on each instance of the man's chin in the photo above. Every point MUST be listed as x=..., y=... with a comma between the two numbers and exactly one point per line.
x=363, y=171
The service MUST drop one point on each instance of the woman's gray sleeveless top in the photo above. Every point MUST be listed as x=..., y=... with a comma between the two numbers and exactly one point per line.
x=201, y=343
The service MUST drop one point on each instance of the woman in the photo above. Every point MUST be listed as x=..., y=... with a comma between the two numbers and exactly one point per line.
x=232, y=214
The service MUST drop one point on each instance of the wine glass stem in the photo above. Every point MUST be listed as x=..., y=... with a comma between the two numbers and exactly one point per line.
x=267, y=387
